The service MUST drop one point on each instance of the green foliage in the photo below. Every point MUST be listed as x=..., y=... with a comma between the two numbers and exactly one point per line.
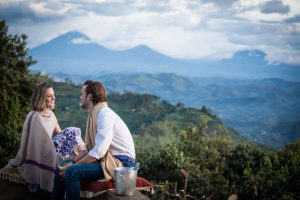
x=203, y=159
x=217, y=169
x=138, y=109
x=265, y=175
x=16, y=87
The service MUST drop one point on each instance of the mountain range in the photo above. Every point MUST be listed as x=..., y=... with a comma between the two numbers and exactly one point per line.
x=74, y=53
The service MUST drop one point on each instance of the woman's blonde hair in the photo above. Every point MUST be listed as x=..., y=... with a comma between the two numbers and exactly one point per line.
x=38, y=100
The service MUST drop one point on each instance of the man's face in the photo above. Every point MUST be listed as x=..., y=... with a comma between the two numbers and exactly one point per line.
x=84, y=98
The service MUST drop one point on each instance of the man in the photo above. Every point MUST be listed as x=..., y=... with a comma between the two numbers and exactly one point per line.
x=107, y=139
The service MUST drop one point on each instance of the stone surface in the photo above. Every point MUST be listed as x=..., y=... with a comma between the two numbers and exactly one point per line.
x=111, y=195
x=14, y=191
x=17, y=191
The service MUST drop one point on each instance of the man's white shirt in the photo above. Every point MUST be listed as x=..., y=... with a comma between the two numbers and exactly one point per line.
x=113, y=135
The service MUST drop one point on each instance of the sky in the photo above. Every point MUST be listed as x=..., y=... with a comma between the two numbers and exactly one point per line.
x=188, y=29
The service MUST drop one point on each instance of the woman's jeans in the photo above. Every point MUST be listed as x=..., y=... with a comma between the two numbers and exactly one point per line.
x=73, y=175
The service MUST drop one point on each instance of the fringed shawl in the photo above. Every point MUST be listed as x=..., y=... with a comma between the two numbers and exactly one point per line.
x=36, y=159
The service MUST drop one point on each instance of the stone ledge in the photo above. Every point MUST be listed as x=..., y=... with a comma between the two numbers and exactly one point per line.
x=111, y=195
x=18, y=191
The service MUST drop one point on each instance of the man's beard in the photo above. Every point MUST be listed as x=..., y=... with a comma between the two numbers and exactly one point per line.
x=84, y=105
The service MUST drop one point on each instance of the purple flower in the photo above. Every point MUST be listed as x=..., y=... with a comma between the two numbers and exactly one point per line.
x=67, y=141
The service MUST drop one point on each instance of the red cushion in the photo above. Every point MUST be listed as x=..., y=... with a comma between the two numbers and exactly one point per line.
x=89, y=189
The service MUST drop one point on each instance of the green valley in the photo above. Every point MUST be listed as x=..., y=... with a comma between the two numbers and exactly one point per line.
x=152, y=121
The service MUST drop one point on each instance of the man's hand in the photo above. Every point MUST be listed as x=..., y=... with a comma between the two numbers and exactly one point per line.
x=85, y=159
x=63, y=170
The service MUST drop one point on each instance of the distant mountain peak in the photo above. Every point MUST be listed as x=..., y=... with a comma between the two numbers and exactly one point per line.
x=73, y=35
x=147, y=51
x=141, y=47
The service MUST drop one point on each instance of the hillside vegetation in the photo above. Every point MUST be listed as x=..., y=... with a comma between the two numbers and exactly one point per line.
x=267, y=110
x=151, y=120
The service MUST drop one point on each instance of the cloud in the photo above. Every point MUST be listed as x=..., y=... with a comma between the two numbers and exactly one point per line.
x=295, y=19
x=33, y=12
x=178, y=28
x=14, y=12
x=275, y=6
x=224, y=3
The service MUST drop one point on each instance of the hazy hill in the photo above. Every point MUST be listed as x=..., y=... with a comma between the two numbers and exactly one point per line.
x=255, y=108
x=150, y=119
x=74, y=54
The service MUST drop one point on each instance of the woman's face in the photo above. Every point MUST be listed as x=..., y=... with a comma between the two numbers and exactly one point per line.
x=50, y=98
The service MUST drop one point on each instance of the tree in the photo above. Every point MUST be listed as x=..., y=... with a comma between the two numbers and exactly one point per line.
x=16, y=87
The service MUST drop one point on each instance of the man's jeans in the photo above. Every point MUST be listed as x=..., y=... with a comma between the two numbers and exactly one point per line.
x=73, y=175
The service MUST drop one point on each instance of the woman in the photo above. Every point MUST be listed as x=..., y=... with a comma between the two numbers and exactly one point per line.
x=37, y=158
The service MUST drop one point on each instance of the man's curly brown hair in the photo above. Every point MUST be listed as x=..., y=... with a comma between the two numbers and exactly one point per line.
x=97, y=90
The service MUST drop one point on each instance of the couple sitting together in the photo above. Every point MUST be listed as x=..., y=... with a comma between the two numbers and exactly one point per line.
x=108, y=144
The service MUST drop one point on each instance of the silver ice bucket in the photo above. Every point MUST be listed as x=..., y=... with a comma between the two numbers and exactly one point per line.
x=125, y=180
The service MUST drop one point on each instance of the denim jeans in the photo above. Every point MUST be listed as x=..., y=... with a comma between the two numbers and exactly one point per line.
x=73, y=175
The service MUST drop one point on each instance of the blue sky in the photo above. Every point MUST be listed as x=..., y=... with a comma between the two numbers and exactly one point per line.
x=210, y=29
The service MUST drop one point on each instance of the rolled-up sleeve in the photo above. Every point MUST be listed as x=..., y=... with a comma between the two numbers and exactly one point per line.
x=105, y=130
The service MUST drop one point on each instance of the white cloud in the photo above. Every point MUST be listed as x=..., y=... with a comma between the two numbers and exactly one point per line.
x=179, y=28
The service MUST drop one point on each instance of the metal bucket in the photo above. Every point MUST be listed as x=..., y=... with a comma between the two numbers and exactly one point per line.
x=125, y=180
